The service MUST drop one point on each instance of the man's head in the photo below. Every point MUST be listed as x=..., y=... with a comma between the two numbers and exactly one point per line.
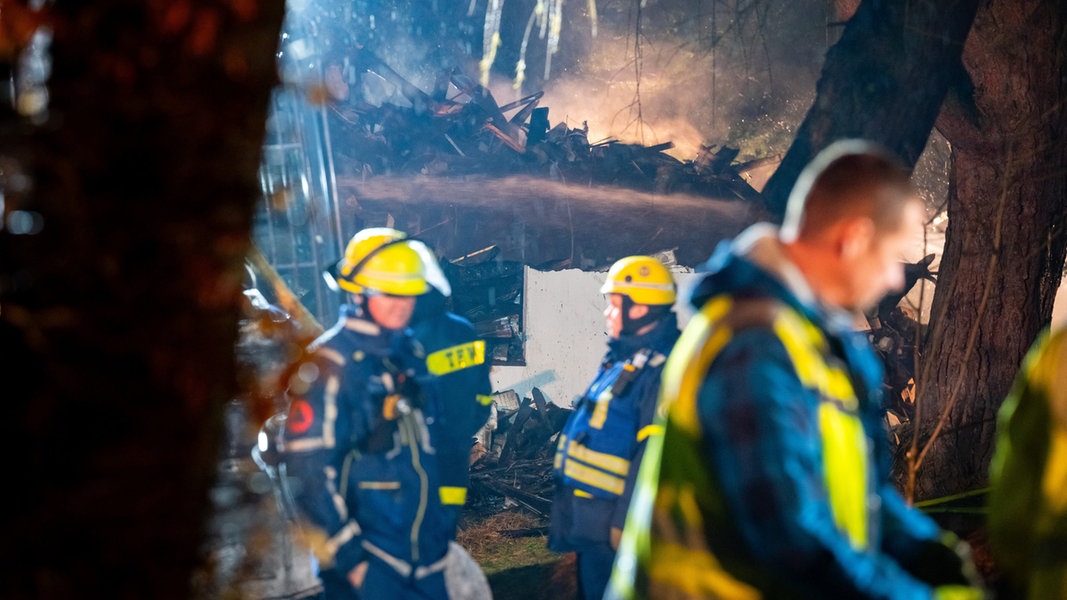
x=384, y=272
x=640, y=292
x=850, y=218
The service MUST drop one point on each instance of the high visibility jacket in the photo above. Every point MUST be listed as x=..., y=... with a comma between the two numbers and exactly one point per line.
x=1028, y=500
x=604, y=439
x=771, y=477
x=359, y=451
x=456, y=356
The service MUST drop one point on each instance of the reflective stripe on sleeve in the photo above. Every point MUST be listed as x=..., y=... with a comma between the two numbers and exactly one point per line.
x=456, y=358
x=452, y=495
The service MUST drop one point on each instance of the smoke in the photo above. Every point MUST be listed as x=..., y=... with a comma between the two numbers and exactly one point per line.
x=699, y=73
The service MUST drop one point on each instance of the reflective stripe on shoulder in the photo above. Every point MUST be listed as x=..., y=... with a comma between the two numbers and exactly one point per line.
x=456, y=358
x=693, y=353
x=483, y=399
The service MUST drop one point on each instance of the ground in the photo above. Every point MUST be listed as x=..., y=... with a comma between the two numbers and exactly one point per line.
x=518, y=568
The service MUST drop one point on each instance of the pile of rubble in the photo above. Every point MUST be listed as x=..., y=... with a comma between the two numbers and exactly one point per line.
x=460, y=129
x=511, y=460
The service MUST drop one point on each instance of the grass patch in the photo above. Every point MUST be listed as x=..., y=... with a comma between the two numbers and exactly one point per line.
x=518, y=568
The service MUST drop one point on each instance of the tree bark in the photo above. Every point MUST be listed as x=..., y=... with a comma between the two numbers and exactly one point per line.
x=1005, y=243
x=884, y=80
x=119, y=305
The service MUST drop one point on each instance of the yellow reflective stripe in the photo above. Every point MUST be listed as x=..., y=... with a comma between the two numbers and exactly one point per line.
x=679, y=572
x=687, y=364
x=1054, y=479
x=601, y=460
x=680, y=564
x=483, y=399
x=456, y=358
x=843, y=438
x=595, y=478
x=582, y=493
x=558, y=461
x=451, y=495
x=809, y=366
x=648, y=430
x=379, y=485
x=845, y=460
x=600, y=413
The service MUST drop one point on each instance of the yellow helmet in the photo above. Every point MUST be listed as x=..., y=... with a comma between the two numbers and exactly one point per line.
x=381, y=259
x=643, y=278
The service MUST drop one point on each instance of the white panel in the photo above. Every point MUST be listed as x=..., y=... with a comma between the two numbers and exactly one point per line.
x=565, y=334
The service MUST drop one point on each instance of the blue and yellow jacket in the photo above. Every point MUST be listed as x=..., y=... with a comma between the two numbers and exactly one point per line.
x=359, y=450
x=771, y=477
x=602, y=442
x=455, y=355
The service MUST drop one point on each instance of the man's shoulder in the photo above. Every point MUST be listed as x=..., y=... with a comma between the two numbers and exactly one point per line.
x=443, y=330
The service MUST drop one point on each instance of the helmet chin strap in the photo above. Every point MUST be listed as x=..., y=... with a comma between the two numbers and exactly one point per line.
x=632, y=326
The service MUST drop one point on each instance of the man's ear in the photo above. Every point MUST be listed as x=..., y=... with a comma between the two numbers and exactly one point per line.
x=855, y=236
x=638, y=310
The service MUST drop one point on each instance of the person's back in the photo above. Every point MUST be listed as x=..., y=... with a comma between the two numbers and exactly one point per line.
x=771, y=477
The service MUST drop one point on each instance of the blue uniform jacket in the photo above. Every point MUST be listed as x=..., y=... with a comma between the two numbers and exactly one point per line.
x=359, y=449
x=602, y=443
x=752, y=469
x=455, y=354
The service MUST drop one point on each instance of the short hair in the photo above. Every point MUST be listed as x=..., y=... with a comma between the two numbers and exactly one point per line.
x=849, y=178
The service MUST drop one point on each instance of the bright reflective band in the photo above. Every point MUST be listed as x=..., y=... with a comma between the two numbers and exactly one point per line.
x=456, y=358
x=600, y=411
x=451, y=495
x=379, y=485
x=845, y=461
x=600, y=460
x=648, y=430
x=595, y=478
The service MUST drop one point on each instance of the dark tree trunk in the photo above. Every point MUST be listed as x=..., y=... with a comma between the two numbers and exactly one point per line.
x=1005, y=243
x=118, y=317
x=884, y=80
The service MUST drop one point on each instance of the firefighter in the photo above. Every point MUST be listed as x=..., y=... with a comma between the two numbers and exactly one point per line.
x=455, y=355
x=770, y=479
x=1028, y=500
x=602, y=442
x=360, y=436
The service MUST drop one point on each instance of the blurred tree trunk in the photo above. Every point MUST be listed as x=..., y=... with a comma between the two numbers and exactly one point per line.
x=884, y=80
x=1004, y=253
x=1005, y=243
x=128, y=214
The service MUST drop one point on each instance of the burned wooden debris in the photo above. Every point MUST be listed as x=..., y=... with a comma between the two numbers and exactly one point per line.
x=489, y=293
x=511, y=461
x=460, y=129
